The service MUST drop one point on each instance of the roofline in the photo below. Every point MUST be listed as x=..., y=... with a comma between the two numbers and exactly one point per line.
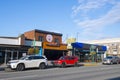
x=8, y=37
x=48, y=32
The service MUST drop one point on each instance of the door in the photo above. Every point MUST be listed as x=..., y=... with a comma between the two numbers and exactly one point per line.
x=29, y=62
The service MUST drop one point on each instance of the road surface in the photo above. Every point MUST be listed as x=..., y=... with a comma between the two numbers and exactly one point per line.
x=101, y=72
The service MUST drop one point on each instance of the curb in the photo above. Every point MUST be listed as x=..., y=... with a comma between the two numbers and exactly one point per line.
x=91, y=64
x=94, y=64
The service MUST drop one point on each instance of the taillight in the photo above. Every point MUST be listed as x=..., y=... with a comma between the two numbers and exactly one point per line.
x=59, y=61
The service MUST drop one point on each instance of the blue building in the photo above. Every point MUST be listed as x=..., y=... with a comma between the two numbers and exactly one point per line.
x=88, y=52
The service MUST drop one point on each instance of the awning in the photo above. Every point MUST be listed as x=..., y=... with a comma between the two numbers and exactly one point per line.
x=85, y=46
x=77, y=45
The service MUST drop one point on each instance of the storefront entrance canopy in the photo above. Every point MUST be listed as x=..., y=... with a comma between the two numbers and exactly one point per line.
x=85, y=46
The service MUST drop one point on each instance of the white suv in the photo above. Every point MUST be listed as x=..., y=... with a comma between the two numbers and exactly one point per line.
x=111, y=60
x=29, y=61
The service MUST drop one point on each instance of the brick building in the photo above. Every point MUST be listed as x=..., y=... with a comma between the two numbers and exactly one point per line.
x=52, y=46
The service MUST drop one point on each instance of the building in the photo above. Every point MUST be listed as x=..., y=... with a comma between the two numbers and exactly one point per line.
x=52, y=46
x=88, y=52
x=49, y=44
x=113, y=45
x=14, y=47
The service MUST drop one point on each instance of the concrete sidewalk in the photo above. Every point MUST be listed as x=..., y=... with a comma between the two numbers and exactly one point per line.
x=2, y=67
x=90, y=64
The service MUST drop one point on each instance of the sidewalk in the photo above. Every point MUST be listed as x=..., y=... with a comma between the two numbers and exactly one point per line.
x=90, y=64
x=2, y=67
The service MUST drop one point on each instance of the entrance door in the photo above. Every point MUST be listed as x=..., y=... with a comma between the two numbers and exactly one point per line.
x=82, y=57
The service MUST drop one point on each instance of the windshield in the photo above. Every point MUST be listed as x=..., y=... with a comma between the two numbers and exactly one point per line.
x=22, y=58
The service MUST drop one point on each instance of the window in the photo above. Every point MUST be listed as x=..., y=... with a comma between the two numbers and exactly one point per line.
x=56, y=40
x=38, y=57
x=41, y=38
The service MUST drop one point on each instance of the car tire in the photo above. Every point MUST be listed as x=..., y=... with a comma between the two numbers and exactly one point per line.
x=76, y=64
x=117, y=62
x=42, y=66
x=111, y=63
x=20, y=67
x=63, y=65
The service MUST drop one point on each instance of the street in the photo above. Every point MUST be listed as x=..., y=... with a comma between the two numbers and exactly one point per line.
x=101, y=72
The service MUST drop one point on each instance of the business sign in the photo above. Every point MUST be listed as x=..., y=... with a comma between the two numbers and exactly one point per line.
x=49, y=37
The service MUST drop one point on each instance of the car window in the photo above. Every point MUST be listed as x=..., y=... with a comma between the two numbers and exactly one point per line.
x=61, y=58
x=38, y=57
x=72, y=58
x=30, y=58
x=109, y=57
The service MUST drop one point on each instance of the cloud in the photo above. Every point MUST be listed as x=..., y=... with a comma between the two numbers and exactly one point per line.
x=87, y=5
x=95, y=26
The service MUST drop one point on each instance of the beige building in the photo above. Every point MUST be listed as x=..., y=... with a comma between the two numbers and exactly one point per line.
x=113, y=45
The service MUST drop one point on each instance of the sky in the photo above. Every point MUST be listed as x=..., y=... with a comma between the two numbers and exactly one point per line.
x=80, y=19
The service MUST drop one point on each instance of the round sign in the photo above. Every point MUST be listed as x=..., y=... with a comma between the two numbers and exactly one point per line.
x=49, y=38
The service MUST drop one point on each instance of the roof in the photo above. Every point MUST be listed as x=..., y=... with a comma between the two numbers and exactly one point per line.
x=8, y=37
x=48, y=32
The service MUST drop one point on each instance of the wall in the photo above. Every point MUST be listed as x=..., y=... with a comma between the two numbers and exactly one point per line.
x=10, y=41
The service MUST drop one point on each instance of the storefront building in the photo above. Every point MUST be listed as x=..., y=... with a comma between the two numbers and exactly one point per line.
x=113, y=46
x=12, y=48
x=52, y=46
x=88, y=52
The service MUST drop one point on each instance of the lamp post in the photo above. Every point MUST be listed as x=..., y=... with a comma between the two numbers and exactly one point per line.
x=96, y=54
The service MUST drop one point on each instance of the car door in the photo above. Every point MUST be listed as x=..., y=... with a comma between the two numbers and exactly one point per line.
x=67, y=60
x=29, y=62
x=116, y=60
x=38, y=60
x=70, y=60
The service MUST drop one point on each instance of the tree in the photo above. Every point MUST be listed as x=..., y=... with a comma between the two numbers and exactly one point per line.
x=33, y=51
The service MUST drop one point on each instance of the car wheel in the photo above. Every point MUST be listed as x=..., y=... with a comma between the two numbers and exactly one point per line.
x=42, y=66
x=111, y=63
x=20, y=67
x=63, y=65
x=76, y=64
x=117, y=62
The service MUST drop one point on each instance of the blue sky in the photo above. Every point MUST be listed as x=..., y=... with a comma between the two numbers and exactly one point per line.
x=82, y=19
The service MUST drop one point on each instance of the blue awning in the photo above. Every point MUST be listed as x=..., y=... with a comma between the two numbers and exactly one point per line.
x=104, y=48
x=85, y=46
x=77, y=45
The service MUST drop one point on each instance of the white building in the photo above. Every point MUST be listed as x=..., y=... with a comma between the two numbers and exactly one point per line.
x=15, y=47
x=113, y=45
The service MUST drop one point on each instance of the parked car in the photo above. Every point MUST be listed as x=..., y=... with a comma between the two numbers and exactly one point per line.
x=29, y=61
x=111, y=60
x=66, y=61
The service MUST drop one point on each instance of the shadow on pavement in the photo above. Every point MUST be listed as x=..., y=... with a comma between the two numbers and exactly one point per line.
x=117, y=78
x=2, y=69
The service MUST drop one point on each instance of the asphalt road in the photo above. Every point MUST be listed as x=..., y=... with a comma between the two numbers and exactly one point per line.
x=101, y=72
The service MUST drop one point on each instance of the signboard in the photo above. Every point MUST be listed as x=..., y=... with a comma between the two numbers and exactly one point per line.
x=49, y=37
